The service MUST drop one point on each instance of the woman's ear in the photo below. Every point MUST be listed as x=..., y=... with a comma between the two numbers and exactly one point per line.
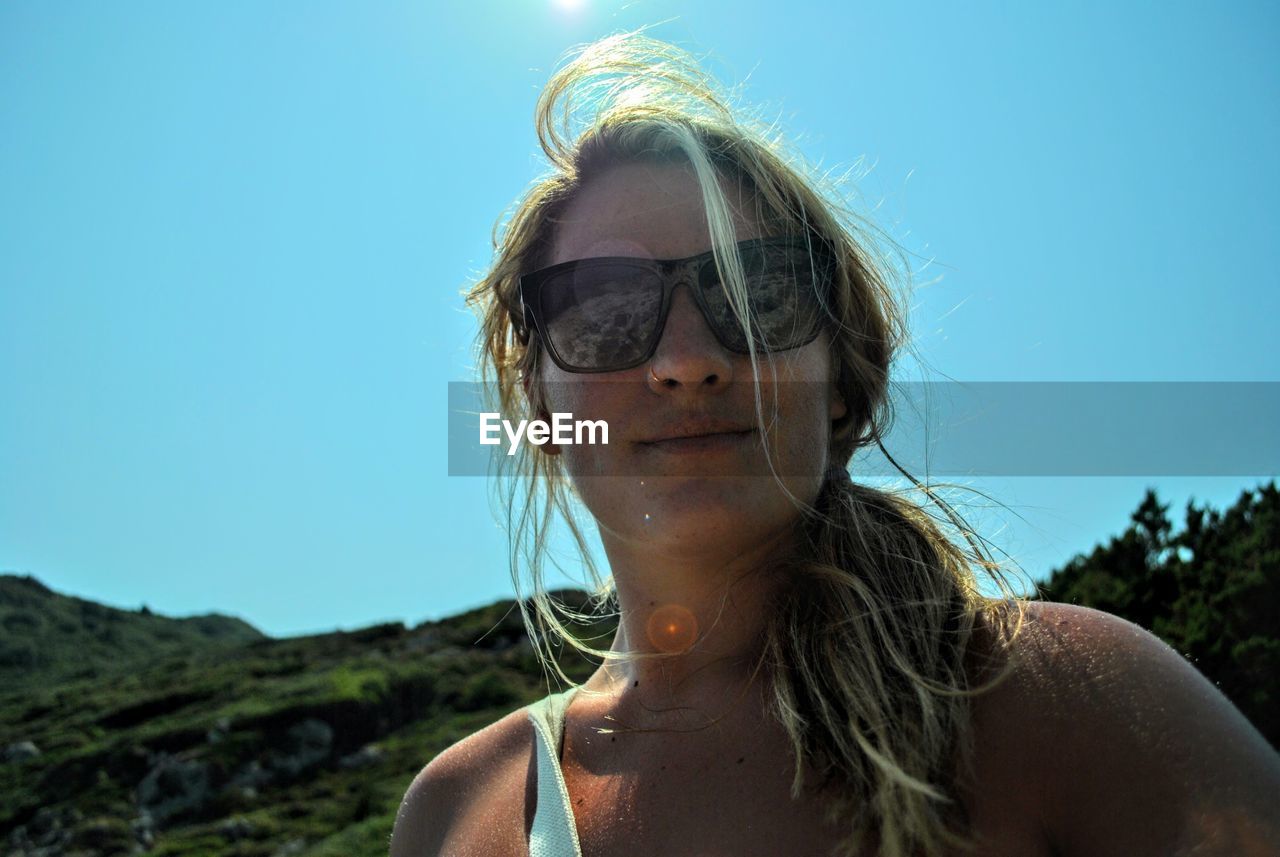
x=838, y=407
x=548, y=448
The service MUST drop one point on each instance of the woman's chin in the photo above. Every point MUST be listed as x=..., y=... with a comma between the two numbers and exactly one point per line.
x=686, y=513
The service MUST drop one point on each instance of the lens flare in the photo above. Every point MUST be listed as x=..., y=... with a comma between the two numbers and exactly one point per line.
x=672, y=628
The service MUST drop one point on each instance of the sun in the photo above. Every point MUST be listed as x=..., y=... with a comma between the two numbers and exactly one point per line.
x=569, y=5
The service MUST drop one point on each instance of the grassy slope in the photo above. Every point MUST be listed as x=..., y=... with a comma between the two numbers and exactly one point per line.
x=47, y=638
x=410, y=693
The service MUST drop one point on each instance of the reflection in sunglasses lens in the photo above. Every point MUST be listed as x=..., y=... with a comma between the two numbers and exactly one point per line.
x=602, y=317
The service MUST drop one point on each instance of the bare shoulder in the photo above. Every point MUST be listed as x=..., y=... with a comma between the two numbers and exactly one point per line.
x=1141, y=754
x=470, y=798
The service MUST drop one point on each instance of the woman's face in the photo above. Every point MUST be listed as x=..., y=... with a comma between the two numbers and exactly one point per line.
x=687, y=497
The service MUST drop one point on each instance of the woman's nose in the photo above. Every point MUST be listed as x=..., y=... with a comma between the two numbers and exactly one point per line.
x=689, y=357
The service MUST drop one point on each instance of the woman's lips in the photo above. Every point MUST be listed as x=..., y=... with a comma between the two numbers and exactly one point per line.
x=704, y=443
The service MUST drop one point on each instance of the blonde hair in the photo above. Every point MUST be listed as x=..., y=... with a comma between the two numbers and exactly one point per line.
x=868, y=647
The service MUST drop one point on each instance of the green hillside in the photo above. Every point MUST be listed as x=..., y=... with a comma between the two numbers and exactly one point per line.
x=47, y=638
x=302, y=745
x=123, y=730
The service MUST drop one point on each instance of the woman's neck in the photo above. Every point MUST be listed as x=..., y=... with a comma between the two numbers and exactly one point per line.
x=704, y=613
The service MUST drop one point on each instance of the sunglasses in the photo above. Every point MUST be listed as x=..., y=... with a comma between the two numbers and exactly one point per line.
x=607, y=314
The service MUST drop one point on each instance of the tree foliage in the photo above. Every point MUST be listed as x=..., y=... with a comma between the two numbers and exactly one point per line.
x=1211, y=591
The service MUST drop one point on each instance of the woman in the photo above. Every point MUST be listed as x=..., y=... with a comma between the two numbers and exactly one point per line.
x=803, y=665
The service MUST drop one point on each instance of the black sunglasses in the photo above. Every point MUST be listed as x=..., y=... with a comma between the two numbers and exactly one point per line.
x=607, y=314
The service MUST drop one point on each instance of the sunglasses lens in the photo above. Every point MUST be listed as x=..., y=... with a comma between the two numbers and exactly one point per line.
x=602, y=317
x=782, y=291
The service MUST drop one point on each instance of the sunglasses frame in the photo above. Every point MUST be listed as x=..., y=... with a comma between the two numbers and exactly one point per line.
x=672, y=272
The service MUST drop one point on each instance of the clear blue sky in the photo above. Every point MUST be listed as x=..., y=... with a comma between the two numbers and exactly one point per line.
x=233, y=238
